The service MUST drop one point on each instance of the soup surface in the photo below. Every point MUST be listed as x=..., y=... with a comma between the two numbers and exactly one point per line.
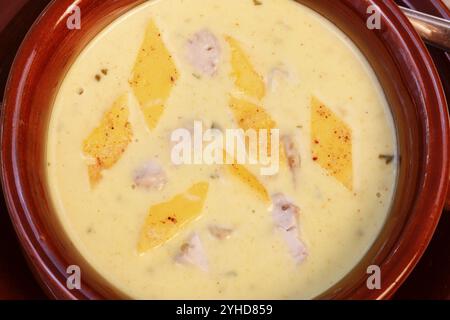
x=158, y=229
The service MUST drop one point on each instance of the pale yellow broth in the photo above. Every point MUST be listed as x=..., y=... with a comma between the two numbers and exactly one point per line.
x=337, y=225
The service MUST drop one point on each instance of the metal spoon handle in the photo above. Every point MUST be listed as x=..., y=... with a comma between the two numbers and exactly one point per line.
x=433, y=30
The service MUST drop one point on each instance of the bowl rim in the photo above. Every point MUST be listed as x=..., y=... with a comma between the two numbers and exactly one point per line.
x=20, y=214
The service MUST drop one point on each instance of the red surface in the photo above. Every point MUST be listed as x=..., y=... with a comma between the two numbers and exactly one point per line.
x=430, y=279
x=16, y=281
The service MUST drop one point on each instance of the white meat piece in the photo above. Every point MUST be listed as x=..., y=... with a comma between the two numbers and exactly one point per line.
x=276, y=77
x=220, y=232
x=150, y=176
x=192, y=252
x=204, y=52
x=292, y=154
x=285, y=217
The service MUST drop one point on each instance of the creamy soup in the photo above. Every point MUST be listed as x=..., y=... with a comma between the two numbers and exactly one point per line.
x=158, y=229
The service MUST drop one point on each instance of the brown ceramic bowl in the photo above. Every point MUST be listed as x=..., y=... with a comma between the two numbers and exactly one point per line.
x=397, y=55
